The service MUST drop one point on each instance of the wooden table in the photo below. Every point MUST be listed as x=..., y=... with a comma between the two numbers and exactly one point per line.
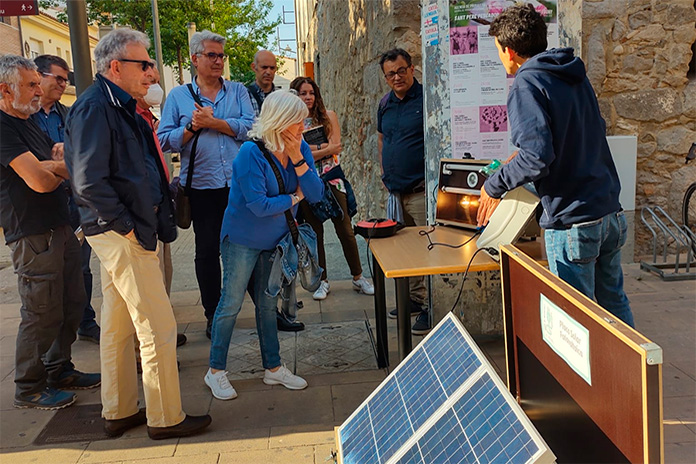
x=406, y=255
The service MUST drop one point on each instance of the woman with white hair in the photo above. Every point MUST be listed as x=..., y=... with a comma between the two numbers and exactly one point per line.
x=254, y=223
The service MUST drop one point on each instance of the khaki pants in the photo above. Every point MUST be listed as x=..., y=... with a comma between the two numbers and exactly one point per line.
x=413, y=205
x=135, y=302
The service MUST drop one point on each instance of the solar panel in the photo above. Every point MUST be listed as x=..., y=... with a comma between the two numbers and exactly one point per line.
x=444, y=404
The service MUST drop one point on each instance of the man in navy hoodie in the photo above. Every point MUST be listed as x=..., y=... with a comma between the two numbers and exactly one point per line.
x=562, y=148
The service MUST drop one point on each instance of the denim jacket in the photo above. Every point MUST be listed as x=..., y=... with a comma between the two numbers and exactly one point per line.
x=328, y=207
x=285, y=260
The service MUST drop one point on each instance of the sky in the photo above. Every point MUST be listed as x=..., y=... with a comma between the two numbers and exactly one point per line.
x=286, y=31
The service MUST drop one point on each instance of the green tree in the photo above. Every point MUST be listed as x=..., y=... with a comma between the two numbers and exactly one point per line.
x=244, y=23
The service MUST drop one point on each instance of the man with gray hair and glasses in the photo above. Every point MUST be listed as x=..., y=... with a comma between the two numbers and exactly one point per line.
x=213, y=115
x=45, y=252
x=120, y=185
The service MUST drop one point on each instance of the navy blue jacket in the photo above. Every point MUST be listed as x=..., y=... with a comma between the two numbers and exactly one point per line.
x=104, y=154
x=556, y=125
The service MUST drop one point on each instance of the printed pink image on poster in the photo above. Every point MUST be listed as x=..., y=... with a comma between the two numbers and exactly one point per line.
x=493, y=118
x=464, y=40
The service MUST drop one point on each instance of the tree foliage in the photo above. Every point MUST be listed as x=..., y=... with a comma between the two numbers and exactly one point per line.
x=244, y=23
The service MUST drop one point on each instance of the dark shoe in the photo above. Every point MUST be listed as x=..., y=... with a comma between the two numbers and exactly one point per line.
x=416, y=309
x=48, y=400
x=189, y=426
x=89, y=335
x=117, y=427
x=75, y=380
x=286, y=326
x=422, y=324
x=180, y=339
x=208, y=329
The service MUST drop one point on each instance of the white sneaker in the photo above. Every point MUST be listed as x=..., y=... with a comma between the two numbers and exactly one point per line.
x=362, y=285
x=284, y=377
x=322, y=291
x=220, y=385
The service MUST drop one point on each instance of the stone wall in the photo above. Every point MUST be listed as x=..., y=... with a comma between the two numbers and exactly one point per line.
x=345, y=40
x=637, y=53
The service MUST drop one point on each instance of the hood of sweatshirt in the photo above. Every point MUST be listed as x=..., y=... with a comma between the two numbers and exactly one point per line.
x=559, y=61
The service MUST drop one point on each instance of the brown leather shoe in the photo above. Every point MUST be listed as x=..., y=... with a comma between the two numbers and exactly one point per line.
x=189, y=426
x=117, y=427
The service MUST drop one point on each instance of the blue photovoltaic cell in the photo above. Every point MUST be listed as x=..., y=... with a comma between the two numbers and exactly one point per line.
x=491, y=425
x=481, y=426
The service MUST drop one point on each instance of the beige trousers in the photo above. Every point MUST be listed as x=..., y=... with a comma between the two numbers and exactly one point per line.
x=413, y=205
x=135, y=302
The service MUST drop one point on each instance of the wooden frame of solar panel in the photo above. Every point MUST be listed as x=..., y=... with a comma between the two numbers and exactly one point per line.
x=420, y=412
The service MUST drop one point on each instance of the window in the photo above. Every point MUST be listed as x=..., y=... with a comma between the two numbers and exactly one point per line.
x=68, y=58
x=59, y=52
x=35, y=48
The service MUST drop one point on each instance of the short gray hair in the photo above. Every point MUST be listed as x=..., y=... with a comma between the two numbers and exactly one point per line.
x=9, y=70
x=113, y=46
x=196, y=46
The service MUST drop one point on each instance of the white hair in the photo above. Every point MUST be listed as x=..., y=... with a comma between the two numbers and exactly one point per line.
x=9, y=70
x=281, y=109
x=113, y=46
x=196, y=46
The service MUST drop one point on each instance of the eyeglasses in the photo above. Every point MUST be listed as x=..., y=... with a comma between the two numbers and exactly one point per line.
x=213, y=56
x=59, y=79
x=145, y=64
x=401, y=72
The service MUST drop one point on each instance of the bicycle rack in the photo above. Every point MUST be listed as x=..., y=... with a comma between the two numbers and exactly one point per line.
x=660, y=223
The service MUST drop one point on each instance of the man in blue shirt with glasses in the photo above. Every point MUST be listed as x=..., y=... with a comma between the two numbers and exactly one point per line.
x=219, y=113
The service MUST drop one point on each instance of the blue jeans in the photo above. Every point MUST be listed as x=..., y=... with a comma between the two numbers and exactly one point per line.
x=243, y=268
x=588, y=257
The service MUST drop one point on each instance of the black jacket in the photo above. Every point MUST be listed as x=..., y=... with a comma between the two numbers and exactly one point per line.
x=104, y=154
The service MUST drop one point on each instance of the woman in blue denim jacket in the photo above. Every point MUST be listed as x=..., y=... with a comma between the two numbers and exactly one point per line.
x=253, y=224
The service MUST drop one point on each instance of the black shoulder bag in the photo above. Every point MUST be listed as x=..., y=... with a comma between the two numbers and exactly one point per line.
x=308, y=269
x=183, y=205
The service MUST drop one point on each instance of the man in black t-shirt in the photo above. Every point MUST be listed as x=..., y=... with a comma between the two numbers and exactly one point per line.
x=45, y=252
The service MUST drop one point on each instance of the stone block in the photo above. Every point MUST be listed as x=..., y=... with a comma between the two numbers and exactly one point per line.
x=649, y=105
x=224, y=441
x=603, y=9
x=689, y=99
x=64, y=454
x=675, y=139
x=676, y=14
x=618, y=31
x=123, y=450
x=633, y=64
x=640, y=19
x=299, y=455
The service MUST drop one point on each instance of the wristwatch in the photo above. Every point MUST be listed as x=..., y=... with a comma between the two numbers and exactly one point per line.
x=295, y=199
x=319, y=146
x=189, y=127
x=299, y=163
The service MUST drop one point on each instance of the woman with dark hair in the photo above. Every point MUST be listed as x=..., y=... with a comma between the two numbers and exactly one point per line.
x=326, y=160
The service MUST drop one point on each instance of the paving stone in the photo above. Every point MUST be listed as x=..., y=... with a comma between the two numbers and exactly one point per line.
x=188, y=313
x=680, y=453
x=298, y=455
x=19, y=427
x=278, y=407
x=196, y=405
x=215, y=441
x=676, y=382
x=127, y=449
x=63, y=454
x=199, y=459
x=347, y=398
x=302, y=435
x=324, y=453
x=677, y=432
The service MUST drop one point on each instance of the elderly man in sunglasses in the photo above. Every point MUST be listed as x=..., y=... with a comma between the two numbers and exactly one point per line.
x=213, y=115
x=120, y=185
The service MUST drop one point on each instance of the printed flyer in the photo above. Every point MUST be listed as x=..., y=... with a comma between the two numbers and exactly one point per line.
x=478, y=82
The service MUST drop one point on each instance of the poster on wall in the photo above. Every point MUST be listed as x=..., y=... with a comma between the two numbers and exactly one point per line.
x=479, y=84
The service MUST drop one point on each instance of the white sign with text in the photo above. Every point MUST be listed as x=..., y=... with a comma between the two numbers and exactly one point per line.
x=565, y=336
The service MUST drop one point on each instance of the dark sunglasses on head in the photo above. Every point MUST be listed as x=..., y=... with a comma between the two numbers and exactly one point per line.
x=145, y=64
x=59, y=79
x=213, y=56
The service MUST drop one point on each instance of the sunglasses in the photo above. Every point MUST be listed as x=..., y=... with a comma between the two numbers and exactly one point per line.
x=145, y=64
x=213, y=56
x=59, y=79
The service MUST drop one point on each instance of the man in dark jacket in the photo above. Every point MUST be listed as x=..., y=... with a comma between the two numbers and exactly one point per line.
x=556, y=125
x=51, y=119
x=120, y=186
